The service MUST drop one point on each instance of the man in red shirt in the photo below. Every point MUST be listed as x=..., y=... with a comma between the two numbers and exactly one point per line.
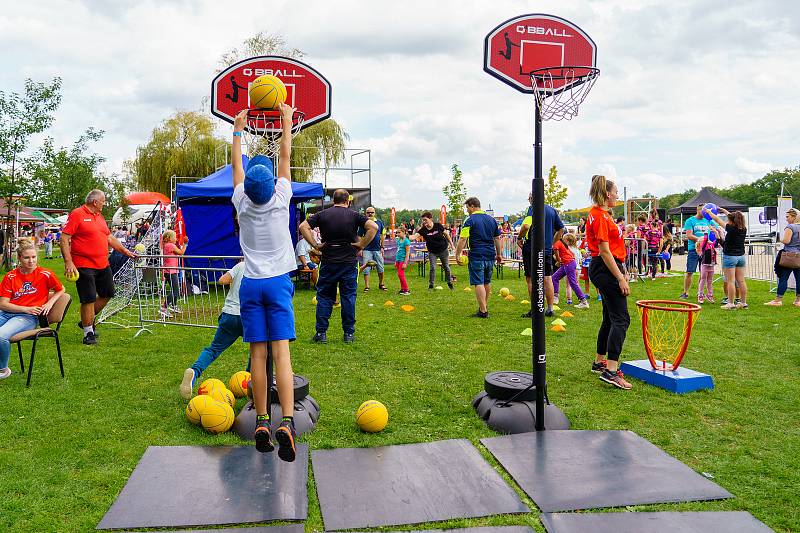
x=84, y=246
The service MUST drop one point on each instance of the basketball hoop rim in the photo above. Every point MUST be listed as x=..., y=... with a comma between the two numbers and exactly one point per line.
x=681, y=307
x=542, y=73
x=270, y=116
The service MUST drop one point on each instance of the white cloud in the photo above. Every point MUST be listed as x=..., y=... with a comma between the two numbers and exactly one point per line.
x=691, y=93
x=752, y=167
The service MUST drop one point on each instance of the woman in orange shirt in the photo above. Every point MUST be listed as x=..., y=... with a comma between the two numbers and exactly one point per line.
x=607, y=248
x=24, y=296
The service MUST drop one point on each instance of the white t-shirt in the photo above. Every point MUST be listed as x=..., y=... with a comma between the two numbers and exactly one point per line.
x=264, y=232
x=231, y=305
x=304, y=249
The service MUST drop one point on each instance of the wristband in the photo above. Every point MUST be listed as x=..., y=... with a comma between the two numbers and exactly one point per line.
x=237, y=133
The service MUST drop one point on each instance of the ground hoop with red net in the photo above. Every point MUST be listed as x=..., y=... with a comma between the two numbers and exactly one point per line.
x=666, y=330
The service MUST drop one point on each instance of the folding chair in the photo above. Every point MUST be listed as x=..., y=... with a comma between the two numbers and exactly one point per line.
x=55, y=316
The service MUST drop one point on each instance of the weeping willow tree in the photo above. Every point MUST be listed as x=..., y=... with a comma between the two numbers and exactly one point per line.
x=183, y=145
x=319, y=146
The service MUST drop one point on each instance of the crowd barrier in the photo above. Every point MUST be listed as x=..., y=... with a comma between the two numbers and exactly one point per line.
x=760, y=263
x=198, y=298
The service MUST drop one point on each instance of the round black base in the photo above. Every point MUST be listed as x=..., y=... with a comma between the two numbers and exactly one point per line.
x=506, y=416
x=306, y=414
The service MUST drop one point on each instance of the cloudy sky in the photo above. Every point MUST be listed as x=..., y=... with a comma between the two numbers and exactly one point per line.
x=691, y=93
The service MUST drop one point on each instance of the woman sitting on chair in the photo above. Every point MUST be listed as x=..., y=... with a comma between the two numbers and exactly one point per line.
x=25, y=297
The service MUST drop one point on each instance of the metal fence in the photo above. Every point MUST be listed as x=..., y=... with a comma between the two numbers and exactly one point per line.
x=760, y=263
x=638, y=261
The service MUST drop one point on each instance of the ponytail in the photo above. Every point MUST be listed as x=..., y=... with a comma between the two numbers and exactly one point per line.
x=600, y=189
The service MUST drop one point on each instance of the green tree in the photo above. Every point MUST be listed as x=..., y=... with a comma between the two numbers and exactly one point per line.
x=22, y=116
x=61, y=177
x=320, y=146
x=183, y=145
x=555, y=194
x=456, y=194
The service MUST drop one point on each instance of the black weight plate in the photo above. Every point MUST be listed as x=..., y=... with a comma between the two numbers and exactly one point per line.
x=301, y=387
x=505, y=384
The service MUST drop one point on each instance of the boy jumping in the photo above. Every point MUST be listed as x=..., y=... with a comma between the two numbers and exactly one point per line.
x=266, y=291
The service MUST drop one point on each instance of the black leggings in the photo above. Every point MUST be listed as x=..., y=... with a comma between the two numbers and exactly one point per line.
x=174, y=293
x=616, y=319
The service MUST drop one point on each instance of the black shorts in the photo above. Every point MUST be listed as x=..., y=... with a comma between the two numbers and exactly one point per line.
x=93, y=283
x=526, y=262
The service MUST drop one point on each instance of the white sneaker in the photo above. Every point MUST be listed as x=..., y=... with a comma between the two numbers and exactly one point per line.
x=165, y=313
x=4, y=373
x=555, y=300
x=584, y=304
x=175, y=309
x=187, y=384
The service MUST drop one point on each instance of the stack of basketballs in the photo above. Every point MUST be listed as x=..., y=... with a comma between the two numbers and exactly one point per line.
x=212, y=408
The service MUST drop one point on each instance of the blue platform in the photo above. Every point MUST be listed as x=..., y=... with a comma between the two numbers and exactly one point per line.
x=681, y=380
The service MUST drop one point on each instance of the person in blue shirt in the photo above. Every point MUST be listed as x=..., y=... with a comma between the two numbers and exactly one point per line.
x=553, y=231
x=372, y=255
x=483, y=234
x=696, y=228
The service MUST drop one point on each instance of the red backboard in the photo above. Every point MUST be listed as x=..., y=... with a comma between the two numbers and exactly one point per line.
x=306, y=89
x=526, y=43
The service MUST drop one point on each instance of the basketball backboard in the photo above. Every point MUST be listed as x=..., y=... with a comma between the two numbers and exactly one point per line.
x=527, y=43
x=306, y=89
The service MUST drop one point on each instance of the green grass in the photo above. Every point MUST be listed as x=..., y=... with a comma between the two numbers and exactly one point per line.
x=67, y=446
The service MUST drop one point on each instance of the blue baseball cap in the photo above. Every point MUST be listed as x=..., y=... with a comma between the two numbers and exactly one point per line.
x=259, y=183
x=260, y=160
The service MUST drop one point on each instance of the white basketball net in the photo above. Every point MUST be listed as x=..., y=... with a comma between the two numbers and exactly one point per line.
x=561, y=90
x=267, y=141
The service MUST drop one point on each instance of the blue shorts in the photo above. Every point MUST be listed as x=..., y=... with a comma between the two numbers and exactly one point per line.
x=692, y=260
x=480, y=272
x=266, y=309
x=734, y=261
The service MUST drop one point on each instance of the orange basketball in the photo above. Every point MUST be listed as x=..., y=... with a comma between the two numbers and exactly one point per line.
x=266, y=92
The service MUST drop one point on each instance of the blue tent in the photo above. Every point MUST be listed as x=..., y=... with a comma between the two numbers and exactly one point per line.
x=209, y=214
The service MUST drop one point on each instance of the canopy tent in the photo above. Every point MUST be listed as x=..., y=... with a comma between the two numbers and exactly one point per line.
x=209, y=214
x=146, y=198
x=706, y=196
x=47, y=218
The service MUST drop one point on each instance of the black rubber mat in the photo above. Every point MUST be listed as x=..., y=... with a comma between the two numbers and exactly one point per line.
x=485, y=529
x=408, y=484
x=179, y=486
x=571, y=470
x=293, y=528
x=667, y=522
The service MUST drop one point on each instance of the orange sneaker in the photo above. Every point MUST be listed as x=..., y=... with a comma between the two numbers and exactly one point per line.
x=285, y=435
x=263, y=436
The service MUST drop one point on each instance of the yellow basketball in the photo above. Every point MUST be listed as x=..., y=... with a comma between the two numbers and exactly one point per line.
x=217, y=417
x=209, y=385
x=266, y=92
x=222, y=394
x=72, y=277
x=372, y=416
x=504, y=292
x=139, y=249
x=196, y=407
x=238, y=383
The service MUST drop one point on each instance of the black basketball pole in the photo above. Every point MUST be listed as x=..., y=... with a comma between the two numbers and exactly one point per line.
x=537, y=264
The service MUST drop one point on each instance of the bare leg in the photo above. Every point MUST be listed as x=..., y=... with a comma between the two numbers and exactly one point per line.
x=687, y=282
x=481, y=295
x=366, y=281
x=730, y=285
x=258, y=370
x=284, y=376
x=529, y=281
x=549, y=294
x=742, y=284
